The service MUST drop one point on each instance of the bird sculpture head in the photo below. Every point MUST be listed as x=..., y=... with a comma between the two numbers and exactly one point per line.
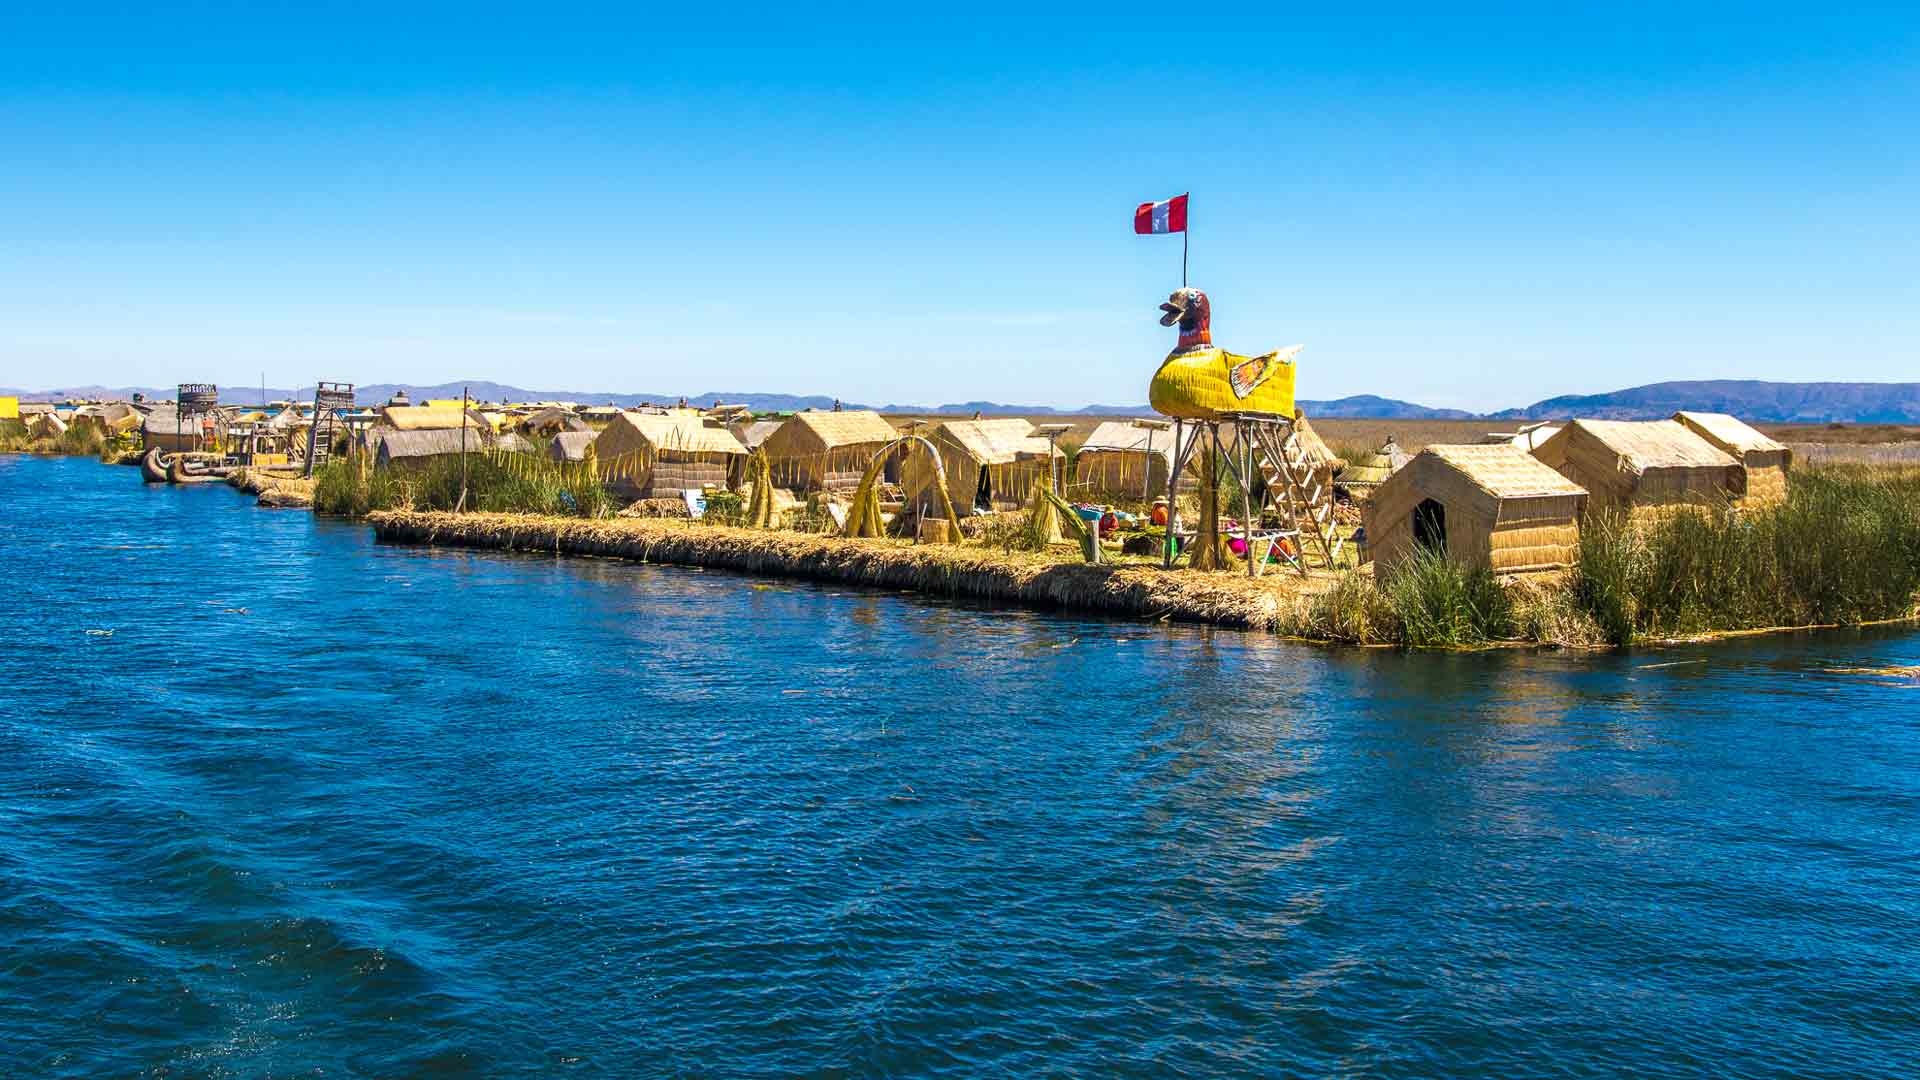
x=1188, y=307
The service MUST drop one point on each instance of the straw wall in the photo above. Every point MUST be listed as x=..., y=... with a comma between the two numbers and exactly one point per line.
x=1010, y=483
x=838, y=469
x=1766, y=483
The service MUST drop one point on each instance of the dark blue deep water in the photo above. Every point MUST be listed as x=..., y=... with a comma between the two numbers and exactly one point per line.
x=276, y=800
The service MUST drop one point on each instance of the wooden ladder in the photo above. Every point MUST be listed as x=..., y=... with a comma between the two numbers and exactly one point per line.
x=327, y=397
x=1295, y=488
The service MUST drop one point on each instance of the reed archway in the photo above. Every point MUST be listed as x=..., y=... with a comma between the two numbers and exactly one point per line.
x=864, y=519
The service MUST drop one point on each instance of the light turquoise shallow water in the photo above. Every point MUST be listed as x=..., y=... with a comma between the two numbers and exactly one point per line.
x=323, y=807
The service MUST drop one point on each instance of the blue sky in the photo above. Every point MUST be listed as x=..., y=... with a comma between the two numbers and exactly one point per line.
x=1476, y=211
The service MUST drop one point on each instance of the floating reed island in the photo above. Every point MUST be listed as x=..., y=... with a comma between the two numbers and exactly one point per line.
x=1577, y=533
x=944, y=570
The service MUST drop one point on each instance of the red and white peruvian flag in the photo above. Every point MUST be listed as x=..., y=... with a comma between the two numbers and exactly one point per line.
x=1161, y=217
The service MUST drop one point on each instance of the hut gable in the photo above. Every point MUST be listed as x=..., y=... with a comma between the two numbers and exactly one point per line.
x=1766, y=462
x=1642, y=463
x=821, y=451
x=1488, y=505
x=1728, y=434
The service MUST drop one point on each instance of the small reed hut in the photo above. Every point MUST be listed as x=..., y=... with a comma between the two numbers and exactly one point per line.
x=1492, y=506
x=1125, y=460
x=1360, y=478
x=570, y=446
x=405, y=450
x=165, y=429
x=1639, y=464
x=989, y=463
x=661, y=455
x=1765, y=460
x=826, y=451
x=553, y=421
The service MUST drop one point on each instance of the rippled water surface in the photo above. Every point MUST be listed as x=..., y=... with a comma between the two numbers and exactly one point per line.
x=275, y=799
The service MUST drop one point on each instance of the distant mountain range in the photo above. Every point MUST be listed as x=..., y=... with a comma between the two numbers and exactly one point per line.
x=1766, y=402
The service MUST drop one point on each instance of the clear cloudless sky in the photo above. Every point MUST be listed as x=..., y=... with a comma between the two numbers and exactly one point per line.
x=1474, y=210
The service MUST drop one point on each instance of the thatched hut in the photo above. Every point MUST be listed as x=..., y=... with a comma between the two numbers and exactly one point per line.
x=989, y=463
x=553, y=421
x=46, y=425
x=1637, y=464
x=1313, y=448
x=1765, y=460
x=660, y=455
x=1492, y=506
x=826, y=451
x=1122, y=458
x=165, y=429
x=416, y=449
x=571, y=446
x=1363, y=476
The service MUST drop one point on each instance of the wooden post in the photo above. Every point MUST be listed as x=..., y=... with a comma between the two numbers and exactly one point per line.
x=1246, y=493
x=461, y=506
x=1173, y=504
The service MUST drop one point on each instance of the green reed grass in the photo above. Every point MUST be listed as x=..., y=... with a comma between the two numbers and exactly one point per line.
x=494, y=482
x=1843, y=548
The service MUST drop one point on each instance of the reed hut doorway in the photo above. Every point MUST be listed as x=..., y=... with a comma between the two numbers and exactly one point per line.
x=1430, y=526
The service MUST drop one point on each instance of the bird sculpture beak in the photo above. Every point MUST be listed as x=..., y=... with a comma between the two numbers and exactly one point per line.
x=1174, y=313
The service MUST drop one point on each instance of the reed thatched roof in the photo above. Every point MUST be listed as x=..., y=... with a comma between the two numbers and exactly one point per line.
x=994, y=442
x=554, y=420
x=289, y=418
x=680, y=431
x=392, y=445
x=570, y=445
x=1312, y=446
x=1651, y=444
x=1504, y=471
x=1642, y=463
x=1727, y=433
x=1123, y=436
x=163, y=421
x=428, y=418
x=815, y=431
x=1377, y=466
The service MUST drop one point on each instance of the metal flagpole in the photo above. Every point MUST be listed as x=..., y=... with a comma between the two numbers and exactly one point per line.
x=1188, y=195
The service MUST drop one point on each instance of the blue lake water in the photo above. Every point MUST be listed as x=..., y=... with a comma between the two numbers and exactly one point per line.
x=318, y=806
